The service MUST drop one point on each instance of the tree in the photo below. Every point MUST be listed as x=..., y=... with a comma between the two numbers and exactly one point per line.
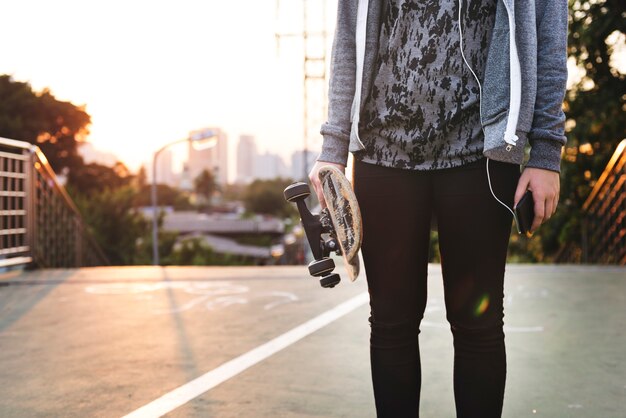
x=94, y=178
x=232, y=192
x=205, y=185
x=39, y=118
x=167, y=240
x=115, y=224
x=266, y=197
x=595, y=112
x=595, y=104
x=141, y=179
x=167, y=196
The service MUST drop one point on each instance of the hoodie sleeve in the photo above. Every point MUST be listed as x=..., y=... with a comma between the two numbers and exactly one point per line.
x=547, y=135
x=336, y=130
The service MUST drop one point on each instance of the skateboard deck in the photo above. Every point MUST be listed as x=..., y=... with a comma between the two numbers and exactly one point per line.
x=345, y=215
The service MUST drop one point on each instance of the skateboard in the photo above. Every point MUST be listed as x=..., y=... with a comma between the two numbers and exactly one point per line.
x=337, y=228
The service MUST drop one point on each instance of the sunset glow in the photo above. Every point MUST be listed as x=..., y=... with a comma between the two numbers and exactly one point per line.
x=151, y=71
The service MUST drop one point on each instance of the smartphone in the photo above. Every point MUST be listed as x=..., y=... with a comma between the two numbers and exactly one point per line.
x=525, y=213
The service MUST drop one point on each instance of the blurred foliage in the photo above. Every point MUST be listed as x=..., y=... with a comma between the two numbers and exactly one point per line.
x=205, y=186
x=93, y=178
x=114, y=222
x=108, y=196
x=523, y=249
x=258, y=240
x=595, y=108
x=122, y=231
x=195, y=252
x=141, y=180
x=266, y=197
x=55, y=126
x=109, y=199
x=167, y=240
x=166, y=196
x=434, y=256
x=233, y=192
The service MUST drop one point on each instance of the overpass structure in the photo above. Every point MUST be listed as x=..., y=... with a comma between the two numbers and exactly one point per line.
x=219, y=224
x=270, y=342
x=265, y=341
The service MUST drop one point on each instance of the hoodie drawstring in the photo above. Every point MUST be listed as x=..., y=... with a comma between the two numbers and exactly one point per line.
x=511, y=140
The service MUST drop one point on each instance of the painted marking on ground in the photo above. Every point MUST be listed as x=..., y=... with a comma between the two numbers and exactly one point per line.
x=211, y=295
x=204, y=383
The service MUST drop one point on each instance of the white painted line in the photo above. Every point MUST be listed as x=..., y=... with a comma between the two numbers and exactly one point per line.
x=200, y=385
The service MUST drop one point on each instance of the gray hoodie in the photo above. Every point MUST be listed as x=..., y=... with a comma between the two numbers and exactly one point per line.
x=522, y=90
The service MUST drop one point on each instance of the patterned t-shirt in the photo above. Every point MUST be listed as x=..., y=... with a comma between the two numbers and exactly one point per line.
x=423, y=111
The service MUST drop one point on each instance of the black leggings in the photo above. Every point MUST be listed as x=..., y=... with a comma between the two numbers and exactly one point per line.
x=474, y=229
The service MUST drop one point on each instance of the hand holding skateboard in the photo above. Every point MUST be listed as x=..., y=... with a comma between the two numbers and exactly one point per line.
x=316, y=183
x=337, y=228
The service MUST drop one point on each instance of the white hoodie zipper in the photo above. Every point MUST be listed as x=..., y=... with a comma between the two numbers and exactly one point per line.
x=515, y=91
x=515, y=95
x=361, y=33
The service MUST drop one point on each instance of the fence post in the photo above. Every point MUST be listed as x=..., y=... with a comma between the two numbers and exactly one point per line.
x=585, y=243
x=29, y=204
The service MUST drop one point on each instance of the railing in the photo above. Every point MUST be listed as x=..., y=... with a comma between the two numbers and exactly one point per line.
x=604, y=224
x=603, y=234
x=39, y=223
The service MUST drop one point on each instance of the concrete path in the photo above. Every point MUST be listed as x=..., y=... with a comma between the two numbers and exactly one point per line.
x=105, y=342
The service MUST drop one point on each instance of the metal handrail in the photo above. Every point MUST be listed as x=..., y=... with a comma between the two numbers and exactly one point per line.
x=604, y=221
x=612, y=165
x=50, y=230
x=49, y=172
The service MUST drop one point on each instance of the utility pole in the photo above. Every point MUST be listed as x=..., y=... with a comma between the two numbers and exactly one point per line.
x=314, y=35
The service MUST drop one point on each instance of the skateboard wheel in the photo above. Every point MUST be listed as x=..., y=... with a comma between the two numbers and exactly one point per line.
x=330, y=281
x=321, y=267
x=297, y=191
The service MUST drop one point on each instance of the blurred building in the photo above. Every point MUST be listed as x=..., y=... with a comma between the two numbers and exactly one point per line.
x=298, y=171
x=185, y=181
x=252, y=165
x=213, y=158
x=92, y=155
x=165, y=168
x=246, y=158
x=270, y=166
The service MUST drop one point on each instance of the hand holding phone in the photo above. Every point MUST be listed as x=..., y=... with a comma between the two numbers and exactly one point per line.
x=525, y=213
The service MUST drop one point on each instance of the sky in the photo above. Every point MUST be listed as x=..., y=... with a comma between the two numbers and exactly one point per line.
x=149, y=72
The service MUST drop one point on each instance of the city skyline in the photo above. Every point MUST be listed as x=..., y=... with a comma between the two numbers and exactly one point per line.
x=165, y=70
x=250, y=164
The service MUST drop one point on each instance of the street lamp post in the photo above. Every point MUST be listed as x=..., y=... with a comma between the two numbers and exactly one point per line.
x=194, y=137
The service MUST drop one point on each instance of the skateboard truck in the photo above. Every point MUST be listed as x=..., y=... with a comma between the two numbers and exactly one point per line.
x=315, y=226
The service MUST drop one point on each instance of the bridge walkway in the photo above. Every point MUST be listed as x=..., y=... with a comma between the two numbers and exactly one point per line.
x=269, y=342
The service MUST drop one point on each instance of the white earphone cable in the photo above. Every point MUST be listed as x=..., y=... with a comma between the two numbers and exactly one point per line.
x=480, y=92
x=480, y=87
x=501, y=202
